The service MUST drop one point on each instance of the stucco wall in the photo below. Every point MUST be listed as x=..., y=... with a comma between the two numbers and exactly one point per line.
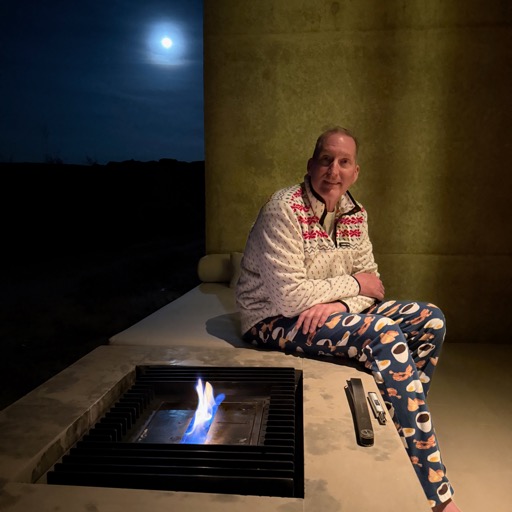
x=426, y=87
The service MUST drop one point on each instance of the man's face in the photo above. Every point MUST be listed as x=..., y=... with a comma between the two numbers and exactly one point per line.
x=334, y=169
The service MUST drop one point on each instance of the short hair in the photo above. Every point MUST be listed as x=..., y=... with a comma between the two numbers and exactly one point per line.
x=335, y=129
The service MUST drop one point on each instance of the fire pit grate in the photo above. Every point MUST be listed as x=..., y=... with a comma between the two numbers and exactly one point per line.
x=255, y=443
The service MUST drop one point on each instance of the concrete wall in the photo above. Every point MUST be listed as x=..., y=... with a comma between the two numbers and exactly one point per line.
x=426, y=87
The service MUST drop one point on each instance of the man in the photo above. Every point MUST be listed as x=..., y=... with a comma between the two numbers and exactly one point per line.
x=309, y=284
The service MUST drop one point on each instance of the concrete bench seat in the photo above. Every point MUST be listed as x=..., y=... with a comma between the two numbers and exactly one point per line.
x=204, y=316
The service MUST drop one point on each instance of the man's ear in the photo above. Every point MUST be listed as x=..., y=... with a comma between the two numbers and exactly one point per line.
x=356, y=175
x=310, y=165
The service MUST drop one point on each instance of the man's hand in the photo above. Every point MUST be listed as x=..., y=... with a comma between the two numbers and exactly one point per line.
x=314, y=317
x=370, y=284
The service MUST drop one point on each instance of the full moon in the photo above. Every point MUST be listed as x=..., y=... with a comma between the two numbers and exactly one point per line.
x=166, y=42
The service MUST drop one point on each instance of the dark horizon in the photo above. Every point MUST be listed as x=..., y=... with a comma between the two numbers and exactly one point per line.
x=130, y=161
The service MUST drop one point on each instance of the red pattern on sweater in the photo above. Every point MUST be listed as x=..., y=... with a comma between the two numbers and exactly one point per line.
x=351, y=220
x=348, y=233
x=316, y=233
x=308, y=220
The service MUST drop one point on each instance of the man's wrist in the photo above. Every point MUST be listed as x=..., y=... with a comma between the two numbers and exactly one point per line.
x=347, y=309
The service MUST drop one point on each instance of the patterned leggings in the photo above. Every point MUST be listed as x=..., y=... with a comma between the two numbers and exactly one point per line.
x=400, y=343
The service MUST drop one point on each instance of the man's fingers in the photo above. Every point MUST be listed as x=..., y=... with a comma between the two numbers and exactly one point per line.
x=310, y=323
x=314, y=318
x=305, y=325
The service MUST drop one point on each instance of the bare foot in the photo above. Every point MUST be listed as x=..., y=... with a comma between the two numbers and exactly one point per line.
x=447, y=506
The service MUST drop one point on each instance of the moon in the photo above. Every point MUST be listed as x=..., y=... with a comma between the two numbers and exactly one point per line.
x=166, y=42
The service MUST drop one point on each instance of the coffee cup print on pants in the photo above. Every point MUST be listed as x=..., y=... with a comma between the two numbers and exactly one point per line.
x=444, y=492
x=400, y=352
x=425, y=349
x=424, y=422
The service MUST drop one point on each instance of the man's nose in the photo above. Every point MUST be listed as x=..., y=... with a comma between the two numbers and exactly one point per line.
x=334, y=167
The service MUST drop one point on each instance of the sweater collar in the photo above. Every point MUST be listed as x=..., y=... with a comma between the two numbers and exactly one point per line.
x=346, y=204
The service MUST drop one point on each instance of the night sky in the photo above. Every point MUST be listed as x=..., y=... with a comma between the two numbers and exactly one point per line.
x=91, y=82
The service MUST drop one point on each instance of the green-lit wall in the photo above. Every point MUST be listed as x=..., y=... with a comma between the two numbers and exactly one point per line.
x=427, y=88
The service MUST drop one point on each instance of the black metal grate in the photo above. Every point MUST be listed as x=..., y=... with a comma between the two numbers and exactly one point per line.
x=107, y=456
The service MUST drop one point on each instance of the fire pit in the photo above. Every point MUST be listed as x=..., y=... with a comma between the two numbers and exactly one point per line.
x=253, y=444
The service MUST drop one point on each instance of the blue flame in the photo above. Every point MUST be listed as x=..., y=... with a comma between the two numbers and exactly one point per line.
x=197, y=431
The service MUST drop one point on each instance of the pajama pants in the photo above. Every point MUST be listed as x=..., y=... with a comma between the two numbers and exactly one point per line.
x=399, y=342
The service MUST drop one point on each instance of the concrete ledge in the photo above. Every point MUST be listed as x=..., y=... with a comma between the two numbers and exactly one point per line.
x=339, y=474
x=201, y=328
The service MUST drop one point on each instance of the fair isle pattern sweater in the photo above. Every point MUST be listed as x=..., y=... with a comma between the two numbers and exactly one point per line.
x=290, y=263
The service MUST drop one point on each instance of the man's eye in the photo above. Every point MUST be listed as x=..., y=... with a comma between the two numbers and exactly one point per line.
x=325, y=160
x=344, y=161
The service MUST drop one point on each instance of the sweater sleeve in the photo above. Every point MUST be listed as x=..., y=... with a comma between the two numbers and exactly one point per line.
x=364, y=261
x=282, y=265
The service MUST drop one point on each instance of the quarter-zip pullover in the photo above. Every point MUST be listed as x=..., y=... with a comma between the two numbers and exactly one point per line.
x=291, y=263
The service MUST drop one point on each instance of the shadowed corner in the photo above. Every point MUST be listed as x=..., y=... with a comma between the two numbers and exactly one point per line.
x=227, y=327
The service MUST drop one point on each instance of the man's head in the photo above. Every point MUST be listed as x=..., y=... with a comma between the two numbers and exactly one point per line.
x=333, y=167
x=336, y=129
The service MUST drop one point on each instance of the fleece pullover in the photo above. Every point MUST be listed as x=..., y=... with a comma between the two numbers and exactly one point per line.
x=290, y=262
